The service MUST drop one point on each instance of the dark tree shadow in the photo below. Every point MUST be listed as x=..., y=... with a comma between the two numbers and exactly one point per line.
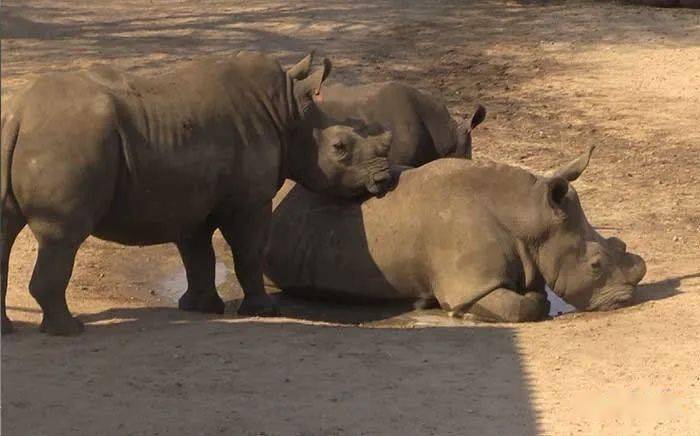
x=180, y=373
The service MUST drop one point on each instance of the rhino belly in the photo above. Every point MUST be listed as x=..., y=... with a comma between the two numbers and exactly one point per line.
x=158, y=209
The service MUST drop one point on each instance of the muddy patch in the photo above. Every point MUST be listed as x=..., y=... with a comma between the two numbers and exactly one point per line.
x=172, y=286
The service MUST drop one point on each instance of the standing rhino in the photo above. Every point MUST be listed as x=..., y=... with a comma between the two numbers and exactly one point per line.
x=482, y=238
x=420, y=123
x=169, y=158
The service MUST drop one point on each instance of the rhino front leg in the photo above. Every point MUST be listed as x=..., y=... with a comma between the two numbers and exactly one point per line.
x=504, y=305
x=197, y=253
x=247, y=232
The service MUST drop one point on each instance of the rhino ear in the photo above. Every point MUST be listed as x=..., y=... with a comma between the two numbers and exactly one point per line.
x=312, y=84
x=478, y=116
x=573, y=169
x=557, y=188
x=301, y=69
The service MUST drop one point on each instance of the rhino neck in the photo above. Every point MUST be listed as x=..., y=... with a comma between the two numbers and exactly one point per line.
x=290, y=117
x=548, y=262
x=296, y=158
x=532, y=276
x=290, y=168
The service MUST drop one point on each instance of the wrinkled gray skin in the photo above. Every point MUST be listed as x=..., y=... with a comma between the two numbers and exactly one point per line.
x=479, y=238
x=421, y=126
x=169, y=158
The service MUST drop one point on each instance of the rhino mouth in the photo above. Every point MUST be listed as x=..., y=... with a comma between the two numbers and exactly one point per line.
x=611, y=299
x=378, y=176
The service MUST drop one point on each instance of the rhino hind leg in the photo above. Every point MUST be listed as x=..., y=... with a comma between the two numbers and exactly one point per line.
x=504, y=305
x=12, y=223
x=52, y=271
x=247, y=232
x=197, y=253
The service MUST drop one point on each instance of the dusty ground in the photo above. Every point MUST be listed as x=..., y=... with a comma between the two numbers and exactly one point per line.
x=555, y=76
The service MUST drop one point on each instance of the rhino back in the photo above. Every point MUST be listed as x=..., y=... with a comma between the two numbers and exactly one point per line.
x=204, y=132
x=422, y=127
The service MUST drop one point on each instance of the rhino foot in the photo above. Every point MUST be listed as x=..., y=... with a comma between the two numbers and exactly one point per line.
x=7, y=326
x=259, y=306
x=61, y=325
x=535, y=307
x=209, y=302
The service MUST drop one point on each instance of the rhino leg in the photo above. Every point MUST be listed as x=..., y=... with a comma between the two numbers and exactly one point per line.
x=12, y=223
x=246, y=232
x=53, y=269
x=504, y=305
x=197, y=253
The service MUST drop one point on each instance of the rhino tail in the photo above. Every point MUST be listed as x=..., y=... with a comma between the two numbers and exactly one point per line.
x=9, y=129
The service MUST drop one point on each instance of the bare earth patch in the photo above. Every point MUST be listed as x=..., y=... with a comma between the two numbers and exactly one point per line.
x=556, y=78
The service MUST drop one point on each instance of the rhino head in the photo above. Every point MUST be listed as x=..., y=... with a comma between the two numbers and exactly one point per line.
x=329, y=157
x=581, y=266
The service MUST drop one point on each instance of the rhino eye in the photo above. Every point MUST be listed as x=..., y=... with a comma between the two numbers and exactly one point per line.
x=341, y=148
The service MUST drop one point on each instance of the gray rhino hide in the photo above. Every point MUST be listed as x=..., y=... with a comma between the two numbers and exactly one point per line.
x=422, y=127
x=478, y=238
x=170, y=158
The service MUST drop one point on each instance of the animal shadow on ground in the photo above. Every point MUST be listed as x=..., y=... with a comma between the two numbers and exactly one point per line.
x=661, y=289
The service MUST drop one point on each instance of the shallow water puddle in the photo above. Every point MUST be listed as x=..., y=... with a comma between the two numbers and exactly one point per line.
x=557, y=305
x=174, y=285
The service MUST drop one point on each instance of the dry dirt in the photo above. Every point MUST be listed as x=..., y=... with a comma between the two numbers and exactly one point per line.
x=555, y=76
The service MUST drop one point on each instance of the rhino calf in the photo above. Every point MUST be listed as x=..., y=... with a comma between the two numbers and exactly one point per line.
x=171, y=158
x=421, y=126
x=480, y=238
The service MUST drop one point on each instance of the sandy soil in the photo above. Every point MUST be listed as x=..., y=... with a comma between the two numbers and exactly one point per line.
x=555, y=76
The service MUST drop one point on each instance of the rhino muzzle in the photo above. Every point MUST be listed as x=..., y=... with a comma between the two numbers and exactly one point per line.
x=636, y=270
x=377, y=175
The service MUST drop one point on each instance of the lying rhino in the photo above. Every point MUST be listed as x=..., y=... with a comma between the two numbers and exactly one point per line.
x=420, y=123
x=170, y=158
x=481, y=238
